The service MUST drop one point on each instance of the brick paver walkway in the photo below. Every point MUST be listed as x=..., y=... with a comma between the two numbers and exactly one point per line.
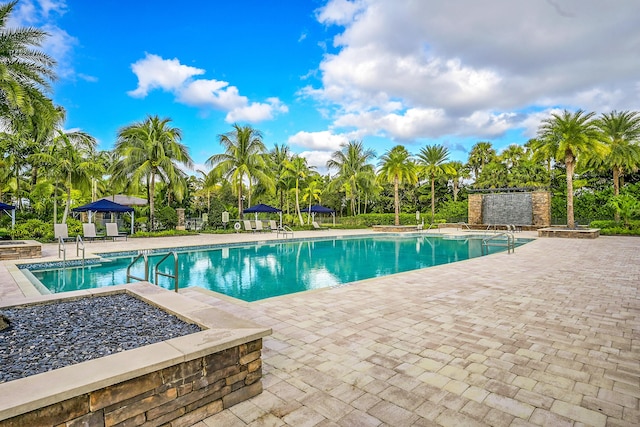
x=546, y=336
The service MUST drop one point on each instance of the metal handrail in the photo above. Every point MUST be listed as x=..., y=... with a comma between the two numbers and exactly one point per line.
x=283, y=229
x=175, y=269
x=79, y=244
x=62, y=248
x=430, y=226
x=465, y=224
x=146, y=268
x=511, y=242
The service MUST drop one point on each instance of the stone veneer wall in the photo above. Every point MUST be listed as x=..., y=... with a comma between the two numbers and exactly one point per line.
x=541, y=204
x=475, y=209
x=24, y=249
x=179, y=395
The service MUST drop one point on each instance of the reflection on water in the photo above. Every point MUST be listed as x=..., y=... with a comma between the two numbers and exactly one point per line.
x=261, y=271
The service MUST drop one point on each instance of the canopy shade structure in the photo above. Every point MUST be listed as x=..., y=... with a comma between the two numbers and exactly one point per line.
x=104, y=205
x=262, y=208
x=11, y=211
x=314, y=209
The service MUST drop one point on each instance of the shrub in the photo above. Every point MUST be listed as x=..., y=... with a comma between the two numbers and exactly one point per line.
x=167, y=216
x=34, y=229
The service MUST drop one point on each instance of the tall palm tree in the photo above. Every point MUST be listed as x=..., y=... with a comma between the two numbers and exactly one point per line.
x=458, y=171
x=312, y=193
x=513, y=155
x=432, y=161
x=397, y=167
x=481, y=154
x=243, y=159
x=151, y=150
x=352, y=164
x=278, y=157
x=620, y=132
x=25, y=71
x=568, y=135
x=298, y=170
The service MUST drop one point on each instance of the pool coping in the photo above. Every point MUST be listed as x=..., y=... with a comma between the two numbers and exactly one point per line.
x=221, y=331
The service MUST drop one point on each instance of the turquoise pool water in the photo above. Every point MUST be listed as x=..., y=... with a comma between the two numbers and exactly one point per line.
x=256, y=271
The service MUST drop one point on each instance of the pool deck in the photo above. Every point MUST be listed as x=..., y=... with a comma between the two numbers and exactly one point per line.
x=549, y=335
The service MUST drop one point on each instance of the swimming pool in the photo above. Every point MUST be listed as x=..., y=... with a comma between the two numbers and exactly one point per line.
x=252, y=272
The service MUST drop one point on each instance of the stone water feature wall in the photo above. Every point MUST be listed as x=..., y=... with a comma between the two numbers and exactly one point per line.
x=519, y=208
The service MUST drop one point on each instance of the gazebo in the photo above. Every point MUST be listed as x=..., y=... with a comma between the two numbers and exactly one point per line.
x=314, y=209
x=262, y=208
x=104, y=205
x=11, y=211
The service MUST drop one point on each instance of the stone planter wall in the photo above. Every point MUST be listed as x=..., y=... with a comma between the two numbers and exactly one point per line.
x=182, y=394
x=176, y=382
x=20, y=249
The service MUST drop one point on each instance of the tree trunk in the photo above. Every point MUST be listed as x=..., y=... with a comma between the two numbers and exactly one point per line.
x=68, y=204
x=455, y=189
x=152, y=190
x=240, y=210
x=568, y=160
x=298, y=205
x=433, y=199
x=616, y=190
x=396, y=199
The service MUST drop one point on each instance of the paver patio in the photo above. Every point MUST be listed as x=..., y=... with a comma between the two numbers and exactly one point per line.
x=545, y=336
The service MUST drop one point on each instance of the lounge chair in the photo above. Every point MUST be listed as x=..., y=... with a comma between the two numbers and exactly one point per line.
x=259, y=226
x=61, y=230
x=89, y=232
x=247, y=226
x=112, y=231
x=316, y=226
x=273, y=225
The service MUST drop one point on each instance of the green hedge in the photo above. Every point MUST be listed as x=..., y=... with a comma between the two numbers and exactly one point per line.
x=613, y=228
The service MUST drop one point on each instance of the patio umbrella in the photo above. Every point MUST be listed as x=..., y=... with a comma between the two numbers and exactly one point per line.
x=11, y=211
x=262, y=208
x=323, y=210
x=104, y=205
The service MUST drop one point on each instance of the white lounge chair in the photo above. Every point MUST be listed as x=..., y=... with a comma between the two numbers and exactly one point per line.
x=89, y=232
x=273, y=225
x=61, y=230
x=316, y=226
x=259, y=226
x=113, y=233
x=247, y=226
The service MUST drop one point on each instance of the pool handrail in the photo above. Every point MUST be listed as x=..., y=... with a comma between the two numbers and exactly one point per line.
x=146, y=268
x=175, y=269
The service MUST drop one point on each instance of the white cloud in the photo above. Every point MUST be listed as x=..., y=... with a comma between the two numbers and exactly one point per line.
x=426, y=69
x=323, y=140
x=317, y=159
x=154, y=72
x=169, y=75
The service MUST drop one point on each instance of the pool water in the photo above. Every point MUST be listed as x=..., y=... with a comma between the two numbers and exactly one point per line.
x=258, y=271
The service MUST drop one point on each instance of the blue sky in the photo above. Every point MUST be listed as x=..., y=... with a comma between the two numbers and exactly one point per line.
x=314, y=74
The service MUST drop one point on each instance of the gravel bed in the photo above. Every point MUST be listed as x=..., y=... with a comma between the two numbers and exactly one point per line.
x=51, y=336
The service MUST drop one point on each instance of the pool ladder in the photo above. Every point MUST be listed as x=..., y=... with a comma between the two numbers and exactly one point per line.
x=157, y=272
x=63, y=249
x=510, y=244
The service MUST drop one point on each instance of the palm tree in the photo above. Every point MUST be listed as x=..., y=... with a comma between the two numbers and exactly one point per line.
x=568, y=135
x=298, y=170
x=243, y=159
x=151, y=150
x=458, y=171
x=432, y=161
x=352, y=164
x=397, y=167
x=620, y=132
x=513, y=155
x=24, y=70
x=278, y=158
x=311, y=193
x=481, y=154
